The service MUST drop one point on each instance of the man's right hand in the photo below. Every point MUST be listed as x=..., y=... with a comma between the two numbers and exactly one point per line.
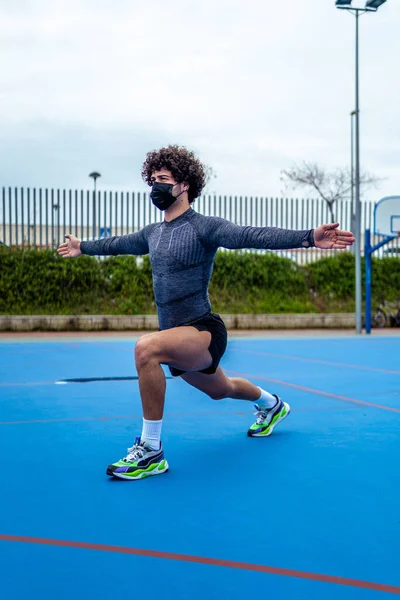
x=70, y=249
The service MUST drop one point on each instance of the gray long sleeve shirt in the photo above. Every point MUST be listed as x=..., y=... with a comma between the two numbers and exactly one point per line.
x=182, y=253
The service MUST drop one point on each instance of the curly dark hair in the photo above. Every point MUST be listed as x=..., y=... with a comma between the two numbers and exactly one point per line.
x=183, y=164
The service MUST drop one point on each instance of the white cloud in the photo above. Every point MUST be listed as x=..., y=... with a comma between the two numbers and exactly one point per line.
x=251, y=86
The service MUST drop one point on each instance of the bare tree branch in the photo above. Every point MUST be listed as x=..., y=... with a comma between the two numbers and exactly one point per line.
x=329, y=185
x=210, y=176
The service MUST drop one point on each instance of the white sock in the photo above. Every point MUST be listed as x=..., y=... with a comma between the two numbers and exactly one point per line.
x=266, y=400
x=151, y=433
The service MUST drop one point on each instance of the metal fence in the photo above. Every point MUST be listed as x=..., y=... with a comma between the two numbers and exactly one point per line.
x=41, y=217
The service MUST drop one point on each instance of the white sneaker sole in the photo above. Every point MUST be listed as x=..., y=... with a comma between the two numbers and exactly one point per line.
x=272, y=427
x=157, y=471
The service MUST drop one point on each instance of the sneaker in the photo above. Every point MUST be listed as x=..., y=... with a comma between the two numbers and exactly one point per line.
x=140, y=462
x=268, y=418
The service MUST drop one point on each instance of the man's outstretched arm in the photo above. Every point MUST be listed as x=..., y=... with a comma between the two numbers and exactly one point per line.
x=133, y=243
x=223, y=233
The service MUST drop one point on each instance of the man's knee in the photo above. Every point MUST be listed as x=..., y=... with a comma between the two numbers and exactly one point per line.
x=146, y=350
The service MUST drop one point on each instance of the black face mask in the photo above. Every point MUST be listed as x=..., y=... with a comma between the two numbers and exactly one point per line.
x=161, y=195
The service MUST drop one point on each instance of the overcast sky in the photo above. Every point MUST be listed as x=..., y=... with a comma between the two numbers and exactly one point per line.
x=252, y=86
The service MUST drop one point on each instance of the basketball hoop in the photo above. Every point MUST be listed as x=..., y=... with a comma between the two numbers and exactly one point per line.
x=386, y=225
x=387, y=216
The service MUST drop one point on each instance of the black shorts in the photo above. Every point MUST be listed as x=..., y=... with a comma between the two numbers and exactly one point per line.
x=219, y=339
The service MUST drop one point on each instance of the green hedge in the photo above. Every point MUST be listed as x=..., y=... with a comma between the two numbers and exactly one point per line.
x=331, y=280
x=258, y=283
x=40, y=282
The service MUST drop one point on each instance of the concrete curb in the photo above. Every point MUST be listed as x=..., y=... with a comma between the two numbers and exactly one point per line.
x=150, y=322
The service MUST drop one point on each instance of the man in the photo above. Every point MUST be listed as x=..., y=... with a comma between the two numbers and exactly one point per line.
x=191, y=339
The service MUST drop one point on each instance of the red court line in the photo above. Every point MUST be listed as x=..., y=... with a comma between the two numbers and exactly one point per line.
x=67, y=419
x=33, y=383
x=314, y=391
x=111, y=417
x=322, y=362
x=115, y=346
x=204, y=560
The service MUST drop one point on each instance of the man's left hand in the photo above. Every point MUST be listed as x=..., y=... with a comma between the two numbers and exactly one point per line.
x=329, y=236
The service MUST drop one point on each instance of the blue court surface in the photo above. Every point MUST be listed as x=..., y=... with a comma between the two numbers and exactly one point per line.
x=312, y=512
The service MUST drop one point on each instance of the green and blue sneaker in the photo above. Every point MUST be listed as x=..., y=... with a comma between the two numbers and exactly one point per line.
x=268, y=418
x=140, y=462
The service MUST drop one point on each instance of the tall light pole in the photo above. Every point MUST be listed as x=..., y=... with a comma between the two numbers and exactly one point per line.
x=353, y=224
x=370, y=6
x=94, y=175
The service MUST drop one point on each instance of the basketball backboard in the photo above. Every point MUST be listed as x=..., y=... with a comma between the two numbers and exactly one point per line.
x=387, y=216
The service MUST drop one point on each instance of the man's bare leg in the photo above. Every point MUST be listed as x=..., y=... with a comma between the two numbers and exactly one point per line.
x=219, y=386
x=184, y=348
x=270, y=408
